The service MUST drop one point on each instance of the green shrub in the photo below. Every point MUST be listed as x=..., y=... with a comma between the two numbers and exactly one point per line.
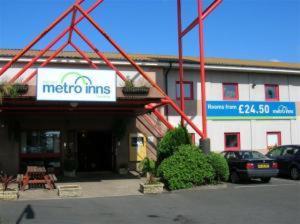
x=171, y=141
x=186, y=168
x=220, y=166
x=147, y=165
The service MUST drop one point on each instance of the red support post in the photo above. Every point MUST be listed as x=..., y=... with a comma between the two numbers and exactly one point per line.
x=72, y=23
x=202, y=70
x=102, y=56
x=199, y=21
x=205, y=13
x=182, y=101
x=46, y=62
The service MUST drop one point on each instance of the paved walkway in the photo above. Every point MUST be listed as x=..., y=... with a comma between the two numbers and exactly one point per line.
x=106, y=185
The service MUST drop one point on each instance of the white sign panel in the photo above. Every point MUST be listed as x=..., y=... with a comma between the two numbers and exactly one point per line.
x=76, y=85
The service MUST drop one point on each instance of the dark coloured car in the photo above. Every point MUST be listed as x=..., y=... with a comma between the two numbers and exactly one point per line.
x=288, y=159
x=247, y=164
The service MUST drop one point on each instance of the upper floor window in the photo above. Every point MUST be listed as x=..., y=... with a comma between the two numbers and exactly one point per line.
x=188, y=90
x=230, y=91
x=272, y=92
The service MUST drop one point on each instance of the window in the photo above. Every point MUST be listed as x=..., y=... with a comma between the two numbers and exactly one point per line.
x=188, y=90
x=272, y=92
x=273, y=139
x=230, y=155
x=38, y=142
x=275, y=152
x=289, y=151
x=230, y=91
x=232, y=141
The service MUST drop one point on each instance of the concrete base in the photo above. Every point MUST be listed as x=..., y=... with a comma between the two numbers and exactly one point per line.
x=204, y=145
x=69, y=191
x=152, y=188
x=9, y=195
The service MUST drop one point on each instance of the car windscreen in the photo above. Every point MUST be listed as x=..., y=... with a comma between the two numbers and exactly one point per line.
x=251, y=155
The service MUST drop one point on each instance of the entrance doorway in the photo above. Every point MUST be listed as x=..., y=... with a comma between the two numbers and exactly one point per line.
x=95, y=151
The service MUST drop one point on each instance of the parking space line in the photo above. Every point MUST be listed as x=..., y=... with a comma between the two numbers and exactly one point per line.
x=267, y=185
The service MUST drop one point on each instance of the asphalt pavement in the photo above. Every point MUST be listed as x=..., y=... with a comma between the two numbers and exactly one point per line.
x=277, y=202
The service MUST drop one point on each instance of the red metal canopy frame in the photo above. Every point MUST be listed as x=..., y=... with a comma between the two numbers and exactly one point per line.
x=85, y=14
x=202, y=14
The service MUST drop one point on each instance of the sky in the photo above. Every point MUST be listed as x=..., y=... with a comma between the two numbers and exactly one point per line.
x=266, y=30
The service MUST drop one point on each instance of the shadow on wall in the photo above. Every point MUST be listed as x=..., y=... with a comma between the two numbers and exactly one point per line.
x=27, y=213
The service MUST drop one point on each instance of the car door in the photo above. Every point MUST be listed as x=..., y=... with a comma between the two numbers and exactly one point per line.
x=285, y=159
x=288, y=158
x=231, y=160
x=276, y=154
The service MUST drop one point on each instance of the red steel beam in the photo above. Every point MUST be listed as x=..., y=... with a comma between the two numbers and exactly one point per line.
x=205, y=13
x=202, y=70
x=139, y=69
x=84, y=55
x=122, y=52
x=102, y=56
x=31, y=44
x=182, y=101
x=148, y=128
x=188, y=120
x=41, y=53
x=162, y=119
x=72, y=23
x=62, y=34
x=151, y=122
x=46, y=62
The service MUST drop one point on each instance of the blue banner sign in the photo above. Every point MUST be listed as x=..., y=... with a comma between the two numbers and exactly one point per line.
x=243, y=110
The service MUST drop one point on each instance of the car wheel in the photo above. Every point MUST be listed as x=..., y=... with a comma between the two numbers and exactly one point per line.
x=294, y=173
x=234, y=177
x=265, y=179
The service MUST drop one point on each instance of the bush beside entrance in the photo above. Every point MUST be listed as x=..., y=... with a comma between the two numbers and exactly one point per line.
x=186, y=168
x=171, y=141
x=189, y=167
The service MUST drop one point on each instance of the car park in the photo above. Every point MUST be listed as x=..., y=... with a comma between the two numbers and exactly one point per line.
x=248, y=164
x=288, y=159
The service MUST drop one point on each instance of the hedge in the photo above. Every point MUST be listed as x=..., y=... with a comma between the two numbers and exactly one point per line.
x=186, y=168
x=171, y=141
x=220, y=166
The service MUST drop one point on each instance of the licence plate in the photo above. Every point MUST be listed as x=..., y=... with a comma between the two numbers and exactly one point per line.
x=263, y=166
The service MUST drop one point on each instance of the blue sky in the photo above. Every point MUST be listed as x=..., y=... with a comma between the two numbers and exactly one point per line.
x=243, y=29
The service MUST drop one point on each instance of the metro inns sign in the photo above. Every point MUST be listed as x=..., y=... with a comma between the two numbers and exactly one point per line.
x=76, y=85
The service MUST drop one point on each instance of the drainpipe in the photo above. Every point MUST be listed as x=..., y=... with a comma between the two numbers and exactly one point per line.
x=166, y=87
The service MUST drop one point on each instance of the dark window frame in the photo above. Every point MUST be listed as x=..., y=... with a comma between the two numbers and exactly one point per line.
x=191, y=84
x=236, y=148
x=236, y=88
x=276, y=98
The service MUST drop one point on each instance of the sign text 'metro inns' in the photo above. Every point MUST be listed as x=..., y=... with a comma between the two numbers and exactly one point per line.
x=76, y=85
